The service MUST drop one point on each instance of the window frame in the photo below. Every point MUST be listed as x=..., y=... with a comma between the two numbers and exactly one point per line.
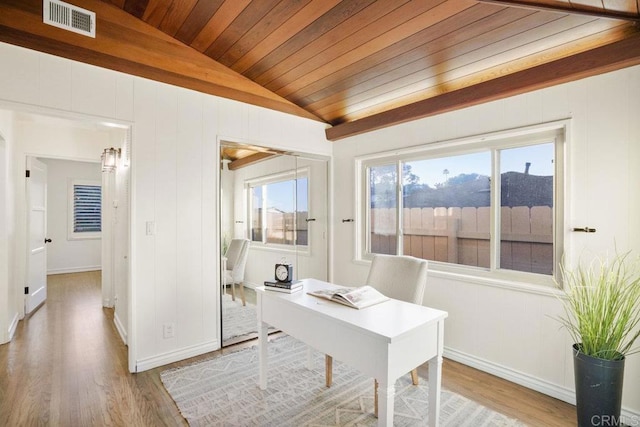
x=272, y=179
x=557, y=132
x=81, y=235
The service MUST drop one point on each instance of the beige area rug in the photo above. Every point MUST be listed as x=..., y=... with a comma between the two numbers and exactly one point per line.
x=223, y=391
x=237, y=320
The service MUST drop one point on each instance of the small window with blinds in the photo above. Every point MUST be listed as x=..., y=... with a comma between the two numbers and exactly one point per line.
x=85, y=209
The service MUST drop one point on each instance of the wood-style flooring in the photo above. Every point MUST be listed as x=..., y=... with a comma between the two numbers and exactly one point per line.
x=67, y=366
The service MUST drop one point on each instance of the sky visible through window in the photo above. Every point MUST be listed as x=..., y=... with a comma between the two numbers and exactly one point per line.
x=281, y=195
x=435, y=171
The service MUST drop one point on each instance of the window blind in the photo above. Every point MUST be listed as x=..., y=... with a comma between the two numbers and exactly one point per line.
x=86, y=208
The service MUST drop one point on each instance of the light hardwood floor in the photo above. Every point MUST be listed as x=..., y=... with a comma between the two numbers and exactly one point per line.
x=66, y=366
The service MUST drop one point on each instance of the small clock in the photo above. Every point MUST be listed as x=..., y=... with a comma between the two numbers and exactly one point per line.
x=284, y=272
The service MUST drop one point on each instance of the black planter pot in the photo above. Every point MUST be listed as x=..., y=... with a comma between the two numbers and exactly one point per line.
x=598, y=389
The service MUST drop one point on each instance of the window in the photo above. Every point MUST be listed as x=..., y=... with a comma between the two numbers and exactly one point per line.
x=486, y=205
x=85, y=205
x=278, y=207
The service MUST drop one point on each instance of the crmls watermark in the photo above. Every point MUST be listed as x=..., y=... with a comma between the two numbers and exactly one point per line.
x=612, y=421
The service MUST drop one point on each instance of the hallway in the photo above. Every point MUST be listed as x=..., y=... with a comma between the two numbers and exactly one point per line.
x=67, y=366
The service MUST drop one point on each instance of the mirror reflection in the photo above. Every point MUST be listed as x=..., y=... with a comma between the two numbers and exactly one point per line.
x=273, y=209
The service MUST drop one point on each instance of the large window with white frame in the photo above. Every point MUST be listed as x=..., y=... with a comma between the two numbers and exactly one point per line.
x=490, y=205
x=279, y=208
x=85, y=209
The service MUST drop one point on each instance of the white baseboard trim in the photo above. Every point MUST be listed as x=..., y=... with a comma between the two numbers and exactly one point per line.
x=121, y=329
x=13, y=326
x=175, y=356
x=73, y=269
x=7, y=335
x=629, y=417
x=526, y=380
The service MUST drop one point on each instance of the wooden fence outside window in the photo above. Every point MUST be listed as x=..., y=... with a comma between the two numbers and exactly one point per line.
x=461, y=236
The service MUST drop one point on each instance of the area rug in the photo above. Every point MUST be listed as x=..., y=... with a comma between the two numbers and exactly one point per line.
x=237, y=320
x=223, y=391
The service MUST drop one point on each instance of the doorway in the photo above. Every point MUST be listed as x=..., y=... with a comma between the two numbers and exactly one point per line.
x=5, y=277
x=88, y=207
x=73, y=231
x=277, y=202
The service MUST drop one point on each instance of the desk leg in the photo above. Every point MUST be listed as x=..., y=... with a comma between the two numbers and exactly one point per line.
x=263, y=338
x=263, y=341
x=435, y=379
x=386, y=395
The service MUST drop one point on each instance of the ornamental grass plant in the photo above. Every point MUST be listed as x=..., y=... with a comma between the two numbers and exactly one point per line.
x=602, y=306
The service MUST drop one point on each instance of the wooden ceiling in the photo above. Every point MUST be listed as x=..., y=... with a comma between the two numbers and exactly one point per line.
x=357, y=65
x=237, y=155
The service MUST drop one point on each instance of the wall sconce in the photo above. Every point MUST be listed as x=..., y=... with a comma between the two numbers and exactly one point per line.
x=110, y=159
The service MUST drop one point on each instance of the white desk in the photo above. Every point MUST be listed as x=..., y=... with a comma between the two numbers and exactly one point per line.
x=384, y=341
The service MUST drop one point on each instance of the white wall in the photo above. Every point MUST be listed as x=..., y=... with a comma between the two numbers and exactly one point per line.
x=174, y=185
x=65, y=255
x=505, y=331
x=4, y=243
x=9, y=301
x=119, y=244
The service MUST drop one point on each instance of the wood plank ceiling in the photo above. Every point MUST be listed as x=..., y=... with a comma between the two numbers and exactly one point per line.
x=364, y=64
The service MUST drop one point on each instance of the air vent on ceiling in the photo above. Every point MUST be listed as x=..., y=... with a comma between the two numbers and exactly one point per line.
x=70, y=17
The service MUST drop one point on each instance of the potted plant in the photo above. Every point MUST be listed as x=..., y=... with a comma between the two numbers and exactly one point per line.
x=602, y=314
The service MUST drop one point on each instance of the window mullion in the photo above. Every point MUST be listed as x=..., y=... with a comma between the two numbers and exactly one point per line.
x=367, y=209
x=264, y=213
x=399, y=210
x=295, y=212
x=494, y=227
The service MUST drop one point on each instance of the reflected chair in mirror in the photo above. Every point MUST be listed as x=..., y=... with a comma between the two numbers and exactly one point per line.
x=236, y=260
x=399, y=277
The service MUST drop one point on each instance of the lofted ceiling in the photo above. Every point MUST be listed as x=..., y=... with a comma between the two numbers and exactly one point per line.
x=357, y=65
x=240, y=155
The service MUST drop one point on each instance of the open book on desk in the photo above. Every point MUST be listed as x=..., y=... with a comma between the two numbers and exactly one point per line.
x=360, y=297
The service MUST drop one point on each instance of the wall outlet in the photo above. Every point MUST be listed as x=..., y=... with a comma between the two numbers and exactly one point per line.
x=168, y=330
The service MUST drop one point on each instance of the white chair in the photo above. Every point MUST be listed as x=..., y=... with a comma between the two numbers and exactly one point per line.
x=236, y=260
x=399, y=277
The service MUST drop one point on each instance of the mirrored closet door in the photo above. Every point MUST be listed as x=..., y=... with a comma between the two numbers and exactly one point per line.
x=273, y=208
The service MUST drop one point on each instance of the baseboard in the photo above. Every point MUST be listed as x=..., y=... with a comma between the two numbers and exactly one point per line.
x=121, y=329
x=13, y=326
x=73, y=269
x=629, y=417
x=525, y=380
x=175, y=356
x=7, y=335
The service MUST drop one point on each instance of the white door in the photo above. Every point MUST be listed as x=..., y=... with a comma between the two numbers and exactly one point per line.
x=36, y=287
